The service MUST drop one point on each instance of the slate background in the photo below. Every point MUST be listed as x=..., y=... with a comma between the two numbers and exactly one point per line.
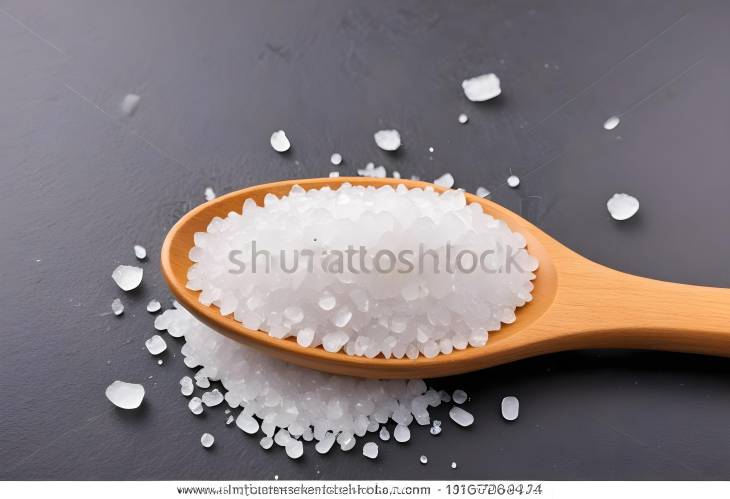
x=81, y=184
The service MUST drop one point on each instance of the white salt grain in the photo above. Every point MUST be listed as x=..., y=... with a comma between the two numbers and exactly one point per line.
x=401, y=433
x=463, y=119
x=127, y=277
x=160, y=362
x=384, y=434
x=423, y=459
x=461, y=417
x=510, y=408
x=482, y=88
x=334, y=174
x=230, y=420
x=140, y=252
x=459, y=396
x=387, y=140
x=195, y=405
x=279, y=141
x=129, y=104
x=155, y=345
x=336, y=159
x=370, y=450
x=453, y=465
x=125, y=395
x=186, y=386
x=153, y=306
x=483, y=192
x=117, y=306
x=611, y=122
x=212, y=398
x=266, y=442
x=207, y=440
x=513, y=181
x=622, y=206
x=445, y=180
x=294, y=449
x=209, y=194
x=249, y=425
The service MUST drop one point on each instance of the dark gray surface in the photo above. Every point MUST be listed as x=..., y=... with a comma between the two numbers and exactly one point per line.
x=81, y=184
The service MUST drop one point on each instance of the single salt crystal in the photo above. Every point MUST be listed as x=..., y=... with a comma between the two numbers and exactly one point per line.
x=510, y=408
x=430, y=149
x=117, y=306
x=453, y=465
x=160, y=362
x=125, y=395
x=423, y=459
x=384, y=434
x=140, y=252
x=129, y=104
x=445, y=180
x=325, y=444
x=186, y=386
x=460, y=416
x=336, y=159
x=482, y=88
x=279, y=141
x=459, y=396
x=127, y=277
x=266, y=442
x=395, y=174
x=294, y=449
x=611, y=122
x=334, y=174
x=249, y=425
x=463, y=118
x=327, y=301
x=195, y=405
x=622, y=206
x=513, y=181
x=483, y=192
x=387, y=140
x=435, y=429
x=230, y=420
x=207, y=440
x=155, y=345
x=370, y=450
x=212, y=398
x=209, y=194
x=153, y=306
x=401, y=433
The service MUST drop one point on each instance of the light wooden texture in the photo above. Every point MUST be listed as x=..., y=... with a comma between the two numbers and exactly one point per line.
x=577, y=303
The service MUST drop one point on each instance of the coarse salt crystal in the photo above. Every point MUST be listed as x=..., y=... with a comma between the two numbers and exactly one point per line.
x=459, y=396
x=117, y=306
x=279, y=141
x=209, y=194
x=510, y=408
x=336, y=159
x=153, y=306
x=207, y=440
x=387, y=140
x=482, y=88
x=612, y=123
x=155, y=345
x=140, y=252
x=483, y=192
x=622, y=206
x=125, y=395
x=463, y=118
x=513, y=181
x=445, y=180
x=461, y=417
x=127, y=277
x=370, y=450
x=129, y=104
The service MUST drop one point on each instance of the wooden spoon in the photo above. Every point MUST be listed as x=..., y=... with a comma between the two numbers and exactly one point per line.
x=576, y=303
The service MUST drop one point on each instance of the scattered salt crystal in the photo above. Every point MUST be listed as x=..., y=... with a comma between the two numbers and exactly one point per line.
x=453, y=465
x=186, y=386
x=445, y=180
x=370, y=450
x=459, y=396
x=117, y=306
x=153, y=306
x=266, y=442
x=294, y=449
x=230, y=420
x=207, y=440
x=201, y=379
x=463, y=118
x=430, y=149
x=423, y=459
x=622, y=206
x=279, y=141
x=129, y=104
x=483, y=192
x=384, y=434
x=160, y=362
x=387, y=140
x=461, y=417
x=510, y=408
x=127, y=277
x=334, y=174
x=249, y=425
x=395, y=174
x=482, y=88
x=125, y=395
x=401, y=433
x=611, y=122
x=155, y=345
x=195, y=405
x=209, y=194
x=336, y=159
x=435, y=429
x=212, y=398
x=140, y=252
x=325, y=444
x=513, y=181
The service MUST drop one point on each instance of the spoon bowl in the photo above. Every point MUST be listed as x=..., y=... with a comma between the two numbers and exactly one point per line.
x=576, y=303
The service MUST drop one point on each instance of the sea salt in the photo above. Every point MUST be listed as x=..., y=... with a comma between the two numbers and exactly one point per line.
x=461, y=417
x=612, y=123
x=212, y=398
x=423, y=459
x=129, y=104
x=401, y=433
x=279, y=141
x=186, y=386
x=155, y=345
x=482, y=88
x=387, y=140
x=445, y=180
x=336, y=159
x=117, y=306
x=463, y=119
x=622, y=206
x=195, y=405
x=459, y=396
x=370, y=450
x=334, y=174
x=153, y=306
x=207, y=440
x=294, y=449
x=384, y=434
x=127, y=277
x=510, y=408
x=125, y=395
x=140, y=252
x=513, y=181
x=483, y=192
x=209, y=194
x=371, y=170
x=364, y=312
x=266, y=442
x=453, y=465
x=230, y=420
